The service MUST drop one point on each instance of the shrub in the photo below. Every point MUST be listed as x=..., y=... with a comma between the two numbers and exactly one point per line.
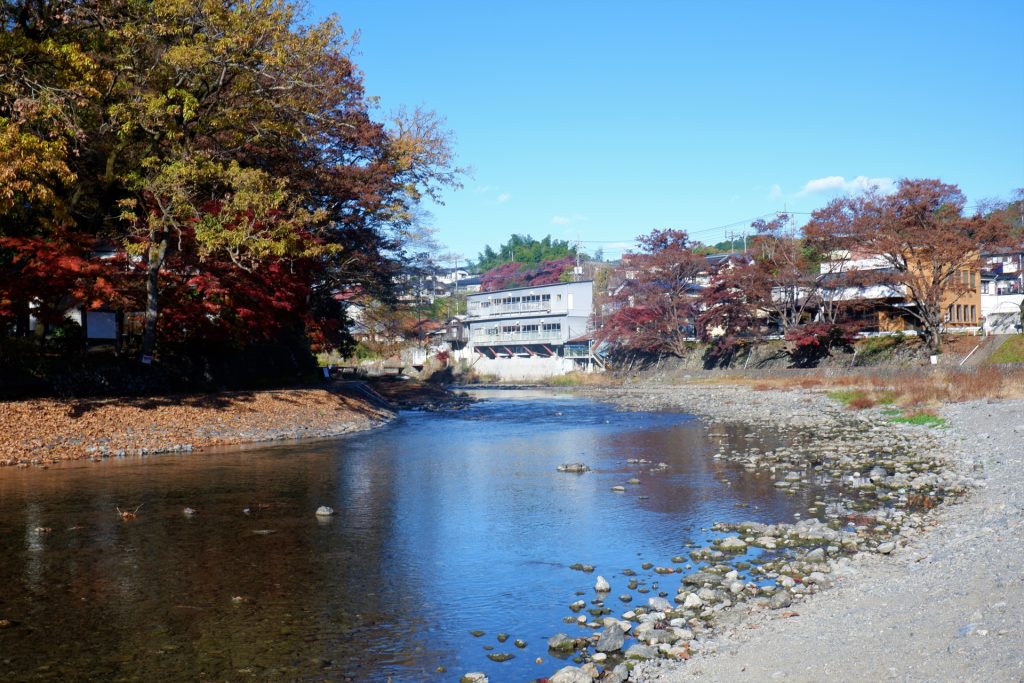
x=722, y=352
x=809, y=344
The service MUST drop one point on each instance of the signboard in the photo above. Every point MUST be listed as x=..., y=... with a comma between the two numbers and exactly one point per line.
x=101, y=324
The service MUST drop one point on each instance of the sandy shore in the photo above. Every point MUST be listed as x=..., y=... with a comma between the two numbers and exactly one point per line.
x=944, y=605
x=47, y=431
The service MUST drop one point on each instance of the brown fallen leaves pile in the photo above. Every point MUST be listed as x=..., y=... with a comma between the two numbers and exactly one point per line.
x=47, y=430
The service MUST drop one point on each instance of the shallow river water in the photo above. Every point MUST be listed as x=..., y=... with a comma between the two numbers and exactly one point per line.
x=447, y=523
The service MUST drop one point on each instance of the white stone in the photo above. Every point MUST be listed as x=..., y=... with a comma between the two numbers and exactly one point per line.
x=602, y=585
x=732, y=543
x=570, y=674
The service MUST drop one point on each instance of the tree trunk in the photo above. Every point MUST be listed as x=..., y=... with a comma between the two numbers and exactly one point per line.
x=932, y=335
x=157, y=254
x=21, y=318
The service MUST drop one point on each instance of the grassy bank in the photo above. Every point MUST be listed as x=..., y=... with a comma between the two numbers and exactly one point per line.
x=1012, y=351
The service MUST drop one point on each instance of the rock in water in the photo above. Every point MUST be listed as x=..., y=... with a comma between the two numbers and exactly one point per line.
x=659, y=604
x=500, y=656
x=561, y=643
x=612, y=639
x=474, y=677
x=324, y=511
x=602, y=585
x=732, y=544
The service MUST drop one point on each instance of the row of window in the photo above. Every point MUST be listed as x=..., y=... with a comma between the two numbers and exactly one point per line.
x=968, y=278
x=514, y=300
x=959, y=313
x=520, y=329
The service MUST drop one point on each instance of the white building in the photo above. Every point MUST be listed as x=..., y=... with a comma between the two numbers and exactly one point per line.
x=1002, y=291
x=521, y=333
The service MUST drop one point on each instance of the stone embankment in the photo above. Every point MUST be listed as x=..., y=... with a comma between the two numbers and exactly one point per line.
x=915, y=552
x=41, y=432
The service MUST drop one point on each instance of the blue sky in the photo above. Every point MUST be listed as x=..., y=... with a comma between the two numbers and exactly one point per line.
x=601, y=121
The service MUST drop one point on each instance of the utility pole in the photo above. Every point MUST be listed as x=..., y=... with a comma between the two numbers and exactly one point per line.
x=578, y=270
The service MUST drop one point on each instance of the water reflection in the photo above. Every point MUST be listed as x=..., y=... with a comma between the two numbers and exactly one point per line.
x=446, y=523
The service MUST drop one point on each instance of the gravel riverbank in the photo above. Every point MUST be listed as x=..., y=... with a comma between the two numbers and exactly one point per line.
x=46, y=431
x=943, y=606
x=908, y=589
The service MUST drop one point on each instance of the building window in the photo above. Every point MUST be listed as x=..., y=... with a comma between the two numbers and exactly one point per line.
x=974, y=282
x=974, y=314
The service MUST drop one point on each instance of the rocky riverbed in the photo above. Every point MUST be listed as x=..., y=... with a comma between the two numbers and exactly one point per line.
x=915, y=551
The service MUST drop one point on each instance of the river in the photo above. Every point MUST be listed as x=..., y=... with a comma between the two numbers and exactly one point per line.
x=447, y=524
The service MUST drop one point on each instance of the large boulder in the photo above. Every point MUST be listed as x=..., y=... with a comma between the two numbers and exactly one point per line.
x=570, y=674
x=659, y=604
x=612, y=639
x=639, y=651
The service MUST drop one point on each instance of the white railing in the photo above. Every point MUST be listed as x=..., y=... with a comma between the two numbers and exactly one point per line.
x=479, y=311
x=519, y=337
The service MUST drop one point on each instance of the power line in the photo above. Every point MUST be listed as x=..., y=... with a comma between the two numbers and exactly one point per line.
x=699, y=231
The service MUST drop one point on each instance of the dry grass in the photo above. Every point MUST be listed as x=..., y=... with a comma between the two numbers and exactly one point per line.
x=577, y=379
x=904, y=389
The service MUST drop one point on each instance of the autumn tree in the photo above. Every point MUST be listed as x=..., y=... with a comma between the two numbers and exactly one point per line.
x=43, y=84
x=923, y=236
x=510, y=274
x=656, y=307
x=227, y=148
x=729, y=304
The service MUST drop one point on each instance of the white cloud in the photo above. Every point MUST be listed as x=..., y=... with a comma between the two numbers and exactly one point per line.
x=482, y=189
x=776, y=192
x=566, y=220
x=504, y=197
x=837, y=183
